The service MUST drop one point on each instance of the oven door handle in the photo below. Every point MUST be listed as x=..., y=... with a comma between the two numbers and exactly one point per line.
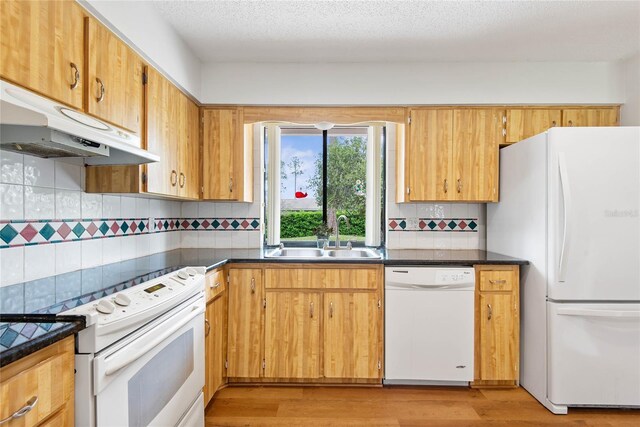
x=130, y=354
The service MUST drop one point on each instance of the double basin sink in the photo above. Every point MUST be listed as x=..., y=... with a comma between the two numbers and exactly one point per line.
x=312, y=253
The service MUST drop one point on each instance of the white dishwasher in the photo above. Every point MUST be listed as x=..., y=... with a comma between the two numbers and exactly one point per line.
x=429, y=318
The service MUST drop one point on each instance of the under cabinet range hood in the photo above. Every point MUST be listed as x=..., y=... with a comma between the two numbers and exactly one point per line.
x=37, y=126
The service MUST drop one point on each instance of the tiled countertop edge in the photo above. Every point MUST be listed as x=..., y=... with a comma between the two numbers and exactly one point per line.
x=10, y=355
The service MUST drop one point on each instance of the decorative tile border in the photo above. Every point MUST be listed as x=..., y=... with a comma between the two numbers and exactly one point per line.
x=25, y=233
x=465, y=225
x=220, y=224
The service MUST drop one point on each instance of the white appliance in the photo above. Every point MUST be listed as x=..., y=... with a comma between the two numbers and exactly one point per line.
x=140, y=361
x=429, y=314
x=34, y=125
x=569, y=202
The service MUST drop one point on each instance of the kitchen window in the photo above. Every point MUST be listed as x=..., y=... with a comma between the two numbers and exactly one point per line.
x=313, y=176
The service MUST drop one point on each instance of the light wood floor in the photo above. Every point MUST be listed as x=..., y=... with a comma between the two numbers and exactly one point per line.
x=397, y=406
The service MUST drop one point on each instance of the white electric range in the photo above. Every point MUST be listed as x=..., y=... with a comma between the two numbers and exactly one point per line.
x=140, y=360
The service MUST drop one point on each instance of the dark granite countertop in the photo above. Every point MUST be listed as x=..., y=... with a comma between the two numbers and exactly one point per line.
x=29, y=311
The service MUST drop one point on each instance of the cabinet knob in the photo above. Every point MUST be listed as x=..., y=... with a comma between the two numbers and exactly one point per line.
x=76, y=76
x=570, y=122
x=553, y=124
x=174, y=178
x=101, y=90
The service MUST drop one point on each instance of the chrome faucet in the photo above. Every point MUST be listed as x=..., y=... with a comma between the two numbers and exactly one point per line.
x=341, y=217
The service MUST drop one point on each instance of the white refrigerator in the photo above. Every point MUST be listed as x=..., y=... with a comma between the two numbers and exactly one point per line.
x=569, y=202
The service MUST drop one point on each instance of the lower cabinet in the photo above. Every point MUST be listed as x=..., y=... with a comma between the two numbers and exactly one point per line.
x=351, y=335
x=292, y=334
x=497, y=325
x=46, y=375
x=246, y=323
x=305, y=323
x=215, y=340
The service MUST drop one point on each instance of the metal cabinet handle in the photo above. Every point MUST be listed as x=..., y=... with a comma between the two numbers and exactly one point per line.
x=208, y=325
x=553, y=124
x=76, y=76
x=445, y=186
x=31, y=403
x=183, y=179
x=331, y=309
x=570, y=122
x=311, y=310
x=490, y=314
x=217, y=285
x=100, y=97
x=230, y=185
x=459, y=185
x=174, y=178
x=253, y=285
x=497, y=282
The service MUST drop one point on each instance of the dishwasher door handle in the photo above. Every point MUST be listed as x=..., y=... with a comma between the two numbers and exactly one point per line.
x=417, y=287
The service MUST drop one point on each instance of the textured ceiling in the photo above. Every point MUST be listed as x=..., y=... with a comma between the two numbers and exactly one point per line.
x=403, y=30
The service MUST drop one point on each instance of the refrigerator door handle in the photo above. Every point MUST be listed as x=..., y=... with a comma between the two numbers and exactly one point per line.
x=585, y=312
x=566, y=201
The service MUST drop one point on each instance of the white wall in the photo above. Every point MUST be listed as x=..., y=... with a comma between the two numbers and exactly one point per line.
x=630, y=74
x=411, y=83
x=140, y=24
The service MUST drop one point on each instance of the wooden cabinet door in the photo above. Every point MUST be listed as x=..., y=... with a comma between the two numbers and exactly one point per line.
x=477, y=135
x=114, y=79
x=523, y=123
x=292, y=335
x=161, y=176
x=215, y=346
x=429, y=155
x=221, y=130
x=189, y=169
x=245, y=330
x=209, y=353
x=42, y=48
x=498, y=337
x=351, y=335
x=590, y=117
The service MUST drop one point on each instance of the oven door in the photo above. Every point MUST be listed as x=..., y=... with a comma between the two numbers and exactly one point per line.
x=152, y=377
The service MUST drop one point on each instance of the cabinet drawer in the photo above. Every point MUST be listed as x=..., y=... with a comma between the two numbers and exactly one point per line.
x=328, y=278
x=215, y=284
x=293, y=278
x=49, y=381
x=496, y=280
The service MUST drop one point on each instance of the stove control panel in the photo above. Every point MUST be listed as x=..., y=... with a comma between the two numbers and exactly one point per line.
x=147, y=297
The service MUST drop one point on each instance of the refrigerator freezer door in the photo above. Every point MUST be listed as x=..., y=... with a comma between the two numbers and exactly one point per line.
x=594, y=224
x=594, y=354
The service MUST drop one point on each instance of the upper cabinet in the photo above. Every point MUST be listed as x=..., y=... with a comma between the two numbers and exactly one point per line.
x=227, y=149
x=173, y=132
x=114, y=79
x=590, y=117
x=42, y=48
x=525, y=122
x=450, y=155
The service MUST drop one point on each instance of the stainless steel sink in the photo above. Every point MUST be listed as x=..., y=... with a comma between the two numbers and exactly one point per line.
x=299, y=253
x=353, y=253
x=311, y=253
